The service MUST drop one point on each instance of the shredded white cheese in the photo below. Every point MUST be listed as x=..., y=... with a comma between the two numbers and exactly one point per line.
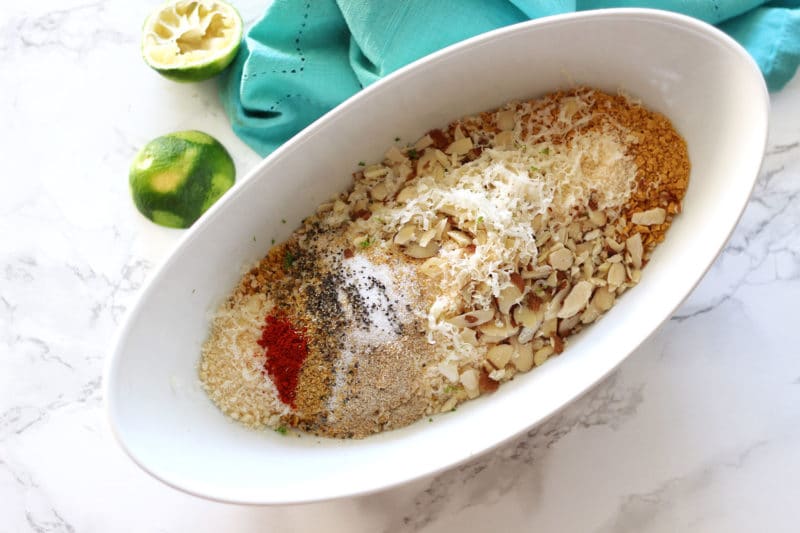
x=496, y=197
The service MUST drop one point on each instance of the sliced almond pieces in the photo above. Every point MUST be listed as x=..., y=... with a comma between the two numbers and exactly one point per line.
x=406, y=234
x=522, y=358
x=506, y=119
x=603, y=299
x=616, y=275
x=561, y=259
x=657, y=215
x=576, y=300
x=509, y=296
x=460, y=147
x=635, y=248
x=472, y=319
x=492, y=332
x=421, y=252
x=500, y=355
x=470, y=380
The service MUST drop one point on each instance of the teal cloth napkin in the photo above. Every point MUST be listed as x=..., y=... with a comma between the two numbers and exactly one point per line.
x=306, y=56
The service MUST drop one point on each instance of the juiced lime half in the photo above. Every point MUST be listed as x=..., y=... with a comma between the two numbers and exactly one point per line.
x=176, y=177
x=191, y=40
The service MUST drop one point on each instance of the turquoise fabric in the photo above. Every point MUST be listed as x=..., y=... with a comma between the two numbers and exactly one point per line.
x=306, y=56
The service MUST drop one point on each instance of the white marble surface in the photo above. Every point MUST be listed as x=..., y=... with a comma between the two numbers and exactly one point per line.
x=698, y=431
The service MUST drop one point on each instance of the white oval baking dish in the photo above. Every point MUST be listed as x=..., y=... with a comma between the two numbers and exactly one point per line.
x=701, y=79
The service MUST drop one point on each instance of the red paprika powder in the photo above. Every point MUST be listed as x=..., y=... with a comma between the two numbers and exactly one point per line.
x=286, y=349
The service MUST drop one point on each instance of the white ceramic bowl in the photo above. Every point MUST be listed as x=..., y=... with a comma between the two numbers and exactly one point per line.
x=697, y=76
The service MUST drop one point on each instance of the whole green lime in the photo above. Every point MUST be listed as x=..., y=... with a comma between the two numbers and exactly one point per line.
x=191, y=40
x=175, y=178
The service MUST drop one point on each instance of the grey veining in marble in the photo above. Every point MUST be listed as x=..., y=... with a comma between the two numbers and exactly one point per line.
x=699, y=430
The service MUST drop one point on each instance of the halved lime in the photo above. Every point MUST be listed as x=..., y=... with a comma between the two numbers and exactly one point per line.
x=191, y=40
x=175, y=178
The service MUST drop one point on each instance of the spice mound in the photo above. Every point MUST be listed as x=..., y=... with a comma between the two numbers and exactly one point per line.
x=449, y=267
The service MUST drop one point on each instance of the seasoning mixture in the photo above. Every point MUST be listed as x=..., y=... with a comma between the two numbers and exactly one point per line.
x=449, y=267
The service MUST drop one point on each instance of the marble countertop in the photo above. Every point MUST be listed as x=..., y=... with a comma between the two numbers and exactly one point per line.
x=699, y=430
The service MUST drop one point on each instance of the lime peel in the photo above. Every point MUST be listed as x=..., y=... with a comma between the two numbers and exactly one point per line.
x=191, y=40
x=175, y=178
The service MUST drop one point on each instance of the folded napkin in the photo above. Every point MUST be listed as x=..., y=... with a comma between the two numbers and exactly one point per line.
x=306, y=56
